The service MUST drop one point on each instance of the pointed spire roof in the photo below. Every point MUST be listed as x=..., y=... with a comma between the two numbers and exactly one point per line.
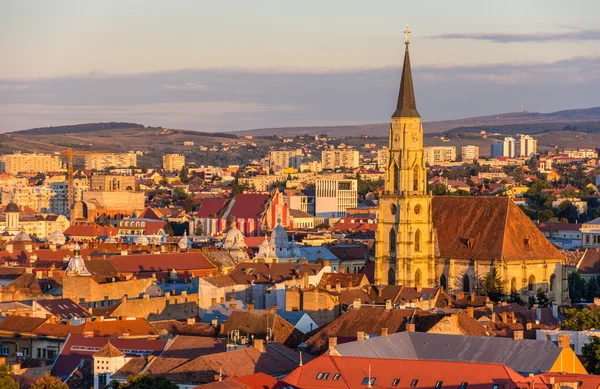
x=108, y=350
x=407, y=106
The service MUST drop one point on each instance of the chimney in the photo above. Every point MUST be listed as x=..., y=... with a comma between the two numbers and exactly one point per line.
x=379, y=290
x=528, y=326
x=326, y=262
x=338, y=287
x=332, y=342
x=231, y=299
x=250, y=307
x=470, y=311
x=460, y=296
x=342, y=270
x=388, y=305
x=360, y=335
x=384, y=332
x=564, y=341
x=410, y=327
x=518, y=334
x=493, y=317
x=504, y=317
x=259, y=344
x=306, y=283
x=356, y=304
x=419, y=288
x=213, y=301
x=472, y=297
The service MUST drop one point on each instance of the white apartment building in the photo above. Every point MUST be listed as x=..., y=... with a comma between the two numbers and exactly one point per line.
x=283, y=159
x=439, y=154
x=527, y=146
x=99, y=161
x=382, y=158
x=59, y=203
x=509, y=148
x=334, y=197
x=580, y=153
x=34, y=197
x=173, y=162
x=36, y=163
x=469, y=153
x=333, y=159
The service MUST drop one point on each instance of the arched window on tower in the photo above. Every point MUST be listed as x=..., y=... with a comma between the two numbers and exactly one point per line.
x=552, y=281
x=418, y=240
x=443, y=282
x=391, y=277
x=418, y=277
x=396, y=178
x=392, y=241
x=466, y=284
x=416, y=178
x=531, y=284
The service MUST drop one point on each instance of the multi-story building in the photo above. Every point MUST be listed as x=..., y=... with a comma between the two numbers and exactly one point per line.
x=36, y=163
x=300, y=201
x=439, y=154
x=509, y=147
x=173, y=162
x=283, y=159
x=469, y=153
x=112, y=183
x=34, y=197
x=497, y=149
x=382, y=158
x=332, y=159
x=98, y=161
x=527, y=146
x=59, y=203
x=580, y=153
x=333, y=197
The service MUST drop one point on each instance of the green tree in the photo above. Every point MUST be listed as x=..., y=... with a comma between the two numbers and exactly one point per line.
x=6, y=380
x=545, y=215
x=581, y=319
x=48, y=382
x=169, y=230
x=542, y=299
x=492, y=285
x=590, y=353
x=144, y=382
x=199, y=229
x=515, y=297
x=577, y=287
x=567, y=210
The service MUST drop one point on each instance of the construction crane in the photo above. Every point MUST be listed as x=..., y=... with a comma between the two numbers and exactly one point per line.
x=70, y=154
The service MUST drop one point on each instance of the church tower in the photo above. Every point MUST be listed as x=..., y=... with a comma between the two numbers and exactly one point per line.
x=405, y=238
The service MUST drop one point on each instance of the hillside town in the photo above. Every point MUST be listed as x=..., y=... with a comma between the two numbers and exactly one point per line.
x=320, y=264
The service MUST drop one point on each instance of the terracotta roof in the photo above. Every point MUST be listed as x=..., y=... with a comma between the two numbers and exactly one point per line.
x=252, y=381
x=138, y=263
x=133, y=366
x=58, y=330
x=573, y=257
x=349, y=252
x=175, y=327
x=248, y=205
x=109, y=351
x=134, y=328
x=487, y=228
x=590, y=262
x=28, y=283
x=346, y=280
x=210, y=208
x=256, y=323
x=65, y=308
x=92, y=231
x=22, y=324
x=247, y=273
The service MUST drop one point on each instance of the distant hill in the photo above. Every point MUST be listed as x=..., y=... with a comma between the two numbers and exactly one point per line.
x=79, y=128
x=553, y=121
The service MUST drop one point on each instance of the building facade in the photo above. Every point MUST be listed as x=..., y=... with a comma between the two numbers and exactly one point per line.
x=439, y=154
x=97, y=161
x=333, y=159
x=527, y=146
x=283, y=159
x=112, y=183
x=469, y=153
x=509, y=147
x=35, y=197
x=334, y=197
x=173, y=162
x=36, y=163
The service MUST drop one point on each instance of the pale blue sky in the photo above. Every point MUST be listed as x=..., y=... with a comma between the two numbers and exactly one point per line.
x=498, y=45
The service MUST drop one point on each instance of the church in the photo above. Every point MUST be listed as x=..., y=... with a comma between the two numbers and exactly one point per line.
x=453, y=241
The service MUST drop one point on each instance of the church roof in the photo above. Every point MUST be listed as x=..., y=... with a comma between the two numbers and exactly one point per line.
x=12, y=207
x=487, y=228
x=407, y=106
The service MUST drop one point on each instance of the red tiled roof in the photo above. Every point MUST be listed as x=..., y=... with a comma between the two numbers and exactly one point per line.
x=211, y=207
x=249, y=205
x=137, y=263
x=94, y=230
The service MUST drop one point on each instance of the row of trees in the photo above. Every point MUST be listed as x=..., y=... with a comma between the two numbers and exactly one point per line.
x=582, y=290
x=492, y=286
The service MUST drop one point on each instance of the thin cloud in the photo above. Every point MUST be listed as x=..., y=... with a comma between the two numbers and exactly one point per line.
x=570, y=36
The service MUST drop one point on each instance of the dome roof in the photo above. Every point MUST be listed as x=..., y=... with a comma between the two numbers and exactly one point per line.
x=76, y=264
x=279, y=237
x=234, y=240
x=57, y=237
x=12, y=207
x=141, y=240
x=110, y=239
x=22, y=237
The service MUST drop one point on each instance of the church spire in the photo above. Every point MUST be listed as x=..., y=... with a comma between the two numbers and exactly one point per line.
x=407, y=106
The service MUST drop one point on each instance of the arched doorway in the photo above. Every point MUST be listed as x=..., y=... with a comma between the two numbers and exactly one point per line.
x=466, y=284
x=443, y=282
x=531, y=284
x=418, y=277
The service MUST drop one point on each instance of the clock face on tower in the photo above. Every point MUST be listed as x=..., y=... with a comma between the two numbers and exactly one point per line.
x=415, y=137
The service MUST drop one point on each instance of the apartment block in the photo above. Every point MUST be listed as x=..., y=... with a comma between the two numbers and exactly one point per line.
x=112, y=183
x=469, y=153
x=527, y=146
x=334, y=197
x=283, y=159
x=439, y=154
x=36, y=163
x=173, y=162
x=99, y=161
x=332, y=159
x=509, y=147
x=34, y=197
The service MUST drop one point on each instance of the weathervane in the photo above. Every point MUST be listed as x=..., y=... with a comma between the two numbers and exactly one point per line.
x=406, y=32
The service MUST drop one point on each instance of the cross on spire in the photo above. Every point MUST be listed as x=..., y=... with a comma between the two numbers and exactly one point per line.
x=406, y=32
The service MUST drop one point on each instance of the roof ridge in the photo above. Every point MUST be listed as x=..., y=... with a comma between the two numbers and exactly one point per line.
x=505, y=227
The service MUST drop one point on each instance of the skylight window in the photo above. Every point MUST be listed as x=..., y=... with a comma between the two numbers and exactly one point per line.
x=414, y=383
x=396, y=381
x=336, y=376
x=438, y=385
x=464, y=385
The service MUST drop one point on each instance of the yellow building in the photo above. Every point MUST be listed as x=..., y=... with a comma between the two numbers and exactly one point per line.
x=35, y=197
x=453, y=241
x=36, y=163
x=101, y=161
x=173, y=162
x=112, y=183
x=333, y=159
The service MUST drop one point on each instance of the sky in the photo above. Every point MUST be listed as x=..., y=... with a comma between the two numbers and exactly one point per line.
x=235, y=65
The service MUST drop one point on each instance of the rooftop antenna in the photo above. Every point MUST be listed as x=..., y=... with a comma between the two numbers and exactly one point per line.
x=300, y=364
x=369, y=385
x=221, y=372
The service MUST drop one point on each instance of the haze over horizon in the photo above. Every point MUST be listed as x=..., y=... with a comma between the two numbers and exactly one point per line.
x=207, y=66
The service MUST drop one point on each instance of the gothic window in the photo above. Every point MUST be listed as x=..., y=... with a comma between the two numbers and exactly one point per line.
x=416, y=178
x=513, y=285
x=466, y=284
x=531, y=284
x=418, y=277
x=552, y=280
x=418, y=240
x=443, y=282
x=396, y=178
x=392, y=241
x=391, y=277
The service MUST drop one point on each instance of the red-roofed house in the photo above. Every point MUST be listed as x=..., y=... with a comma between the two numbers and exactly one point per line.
x=185, y=265
x=85, y=232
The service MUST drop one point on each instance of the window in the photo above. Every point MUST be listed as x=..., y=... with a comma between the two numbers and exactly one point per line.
x=336, y=376
x=495, y=386
x=531, y=284
x=552, y=280
x=466, y=284
x=25, y=351
x=464, y=385
x=4, y=350
x=320, y=376
x=414, y=383
x=418, y=240
x=418, y=277
x=366, y=381
x=416, y=178
x=396, y=381
x=438, y=384
x=102, y=379
x=392, y=241
x=326, y=376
